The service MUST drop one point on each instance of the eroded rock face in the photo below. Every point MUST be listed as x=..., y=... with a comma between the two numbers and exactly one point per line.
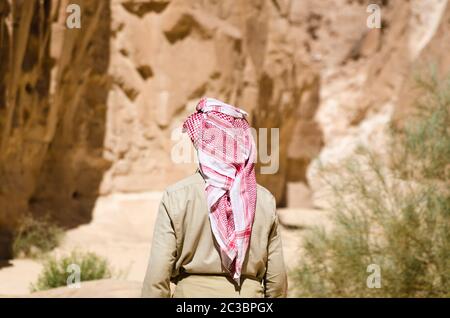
x=53, y=116
x=163, y=62
x=361, y=96
x=91, y=111
x=433, y=53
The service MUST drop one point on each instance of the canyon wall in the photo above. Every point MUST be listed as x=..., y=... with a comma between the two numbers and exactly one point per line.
x=52, y=112
x=97, y=110
x=374, y=86
x=166, y=55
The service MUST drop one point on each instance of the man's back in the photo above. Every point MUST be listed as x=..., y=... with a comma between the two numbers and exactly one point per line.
x=184, y=250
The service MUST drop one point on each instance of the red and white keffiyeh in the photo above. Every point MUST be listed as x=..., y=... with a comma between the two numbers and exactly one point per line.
x=226, y=153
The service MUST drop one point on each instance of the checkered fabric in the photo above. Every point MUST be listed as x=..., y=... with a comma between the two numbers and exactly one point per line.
x=226, y=153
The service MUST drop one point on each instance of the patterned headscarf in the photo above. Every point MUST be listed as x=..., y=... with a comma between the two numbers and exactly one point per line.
x=226, y=154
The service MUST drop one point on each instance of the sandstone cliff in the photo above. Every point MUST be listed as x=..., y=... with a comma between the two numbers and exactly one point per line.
x=92, y=111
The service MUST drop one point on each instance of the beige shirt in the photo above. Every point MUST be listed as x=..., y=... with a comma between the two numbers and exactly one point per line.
x=184, y=250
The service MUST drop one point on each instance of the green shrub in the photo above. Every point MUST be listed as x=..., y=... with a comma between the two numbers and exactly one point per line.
x=57, y=271
x=394, y=215
x=425, y=141
x=35, y=237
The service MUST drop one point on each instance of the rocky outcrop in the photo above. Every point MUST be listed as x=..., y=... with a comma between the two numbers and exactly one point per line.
x=52, y=112
x=97, y=110
x=92, y=111
x=432, y=56
x=241, y=52
x=366, y=92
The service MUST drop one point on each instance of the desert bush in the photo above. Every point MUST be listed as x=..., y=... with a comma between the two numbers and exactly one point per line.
x=57, y=271
x=35, y=237
x=393, y=212
x=424, y=143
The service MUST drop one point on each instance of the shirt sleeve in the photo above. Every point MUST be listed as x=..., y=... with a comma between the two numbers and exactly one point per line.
x=276, y=277
x=162, y=256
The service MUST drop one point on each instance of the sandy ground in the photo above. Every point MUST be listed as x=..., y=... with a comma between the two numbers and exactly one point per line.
x=121, y=231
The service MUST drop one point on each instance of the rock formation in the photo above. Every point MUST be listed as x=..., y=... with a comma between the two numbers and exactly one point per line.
x=92, y=111
x=372, y=88
x=52, y=110
x=167, y=55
